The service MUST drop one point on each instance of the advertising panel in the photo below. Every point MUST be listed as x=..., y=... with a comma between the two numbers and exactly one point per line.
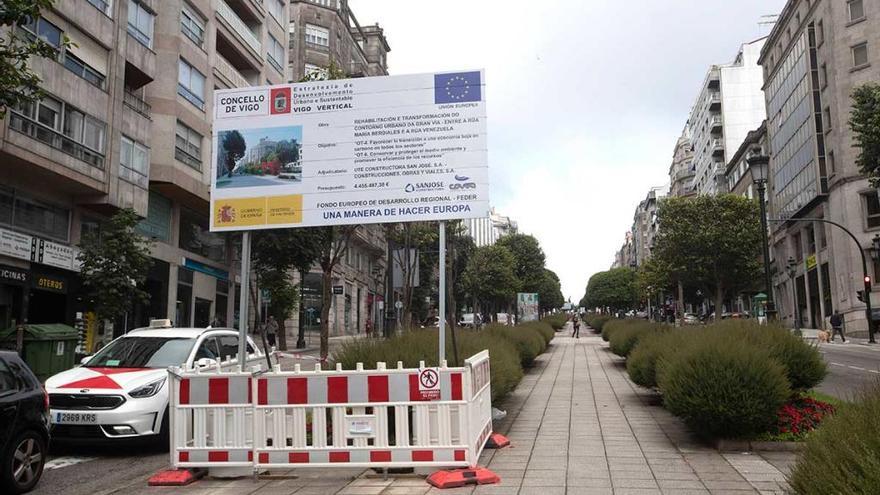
x=350, y=151
x=527, y=306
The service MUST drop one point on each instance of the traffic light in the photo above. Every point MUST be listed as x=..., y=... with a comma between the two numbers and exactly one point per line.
x=867, y=284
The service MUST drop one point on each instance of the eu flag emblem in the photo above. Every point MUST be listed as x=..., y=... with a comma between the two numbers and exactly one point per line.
x=458, y=87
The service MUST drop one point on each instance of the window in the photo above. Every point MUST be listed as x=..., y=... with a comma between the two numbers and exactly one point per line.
x=196, y=237
x=317, y=35
x=134, y=162
x=140, y=23
x=872, y=210
x=826, y=116
x=326, y=3
x=8, y=381
x=63, y=127
x=860, y=55
x=856, y=10
x=824, y=75
x=208, y=350
x=229, y=346
x=32, y=215
x=157, y=225
x=45, y=30
x=820, y=32
x=276, y=9
x=77, y=66
x=191, y=84
x=797, y=247
x=188, y=146
x=831, y=164
x=101, y=5
x=276, y=54
x=192, y=25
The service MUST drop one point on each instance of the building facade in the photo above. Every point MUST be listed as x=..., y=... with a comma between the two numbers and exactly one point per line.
x=325, y=33
x=738, y=173
x=814, y=57
x=682, y=172
x=730, y=104
x=487, y=231
x=646, y=225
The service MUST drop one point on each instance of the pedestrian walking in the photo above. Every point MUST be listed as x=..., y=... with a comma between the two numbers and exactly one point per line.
x=576, y=331
x=271, y=330
x=837, y=326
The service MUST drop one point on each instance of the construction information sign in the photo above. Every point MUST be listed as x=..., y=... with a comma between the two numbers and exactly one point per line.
x=350, y=151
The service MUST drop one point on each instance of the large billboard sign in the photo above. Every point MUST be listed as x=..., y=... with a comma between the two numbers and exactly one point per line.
x=350, y=151
x=527, y=306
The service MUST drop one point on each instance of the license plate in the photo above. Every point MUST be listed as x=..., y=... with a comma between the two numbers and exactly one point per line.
x=65, y=418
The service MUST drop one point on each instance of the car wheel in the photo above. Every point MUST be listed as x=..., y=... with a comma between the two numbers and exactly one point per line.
x=23, y=463
x=162, y=439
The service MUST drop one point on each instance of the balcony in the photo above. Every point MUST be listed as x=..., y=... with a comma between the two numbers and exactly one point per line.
x=715, y=102
x=716, y=123
x=683, y=175
x=226, y=70
x=240, y=27
x=55, y=139
x=135, y=103
x=717, y=147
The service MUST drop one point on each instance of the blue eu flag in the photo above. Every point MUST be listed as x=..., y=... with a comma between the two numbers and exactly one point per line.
x=459, y=87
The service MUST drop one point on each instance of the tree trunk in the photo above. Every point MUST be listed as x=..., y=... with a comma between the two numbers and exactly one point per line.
x=680, y=312
x=282, y=334
x=719, y=302
x=326, y=294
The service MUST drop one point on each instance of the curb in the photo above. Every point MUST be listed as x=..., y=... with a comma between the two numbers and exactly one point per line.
x=756, y=446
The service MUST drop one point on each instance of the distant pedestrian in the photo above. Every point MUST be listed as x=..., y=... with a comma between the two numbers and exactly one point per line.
x=837, y=326
x=271, y=330
x=576, y=331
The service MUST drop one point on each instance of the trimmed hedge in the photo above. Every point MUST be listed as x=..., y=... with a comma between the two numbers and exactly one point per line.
x=597, y=322
x=612, y=325
x=557, y=321
x=625, y=335
x=841, y=455
x=723, y=388
x=528, y=340
x=641, y=364
x=543, y=328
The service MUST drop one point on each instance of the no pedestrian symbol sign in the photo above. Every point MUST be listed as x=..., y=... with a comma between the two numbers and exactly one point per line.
x=429, y=383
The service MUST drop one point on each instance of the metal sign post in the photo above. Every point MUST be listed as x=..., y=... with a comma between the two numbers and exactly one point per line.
x=441, y=330
x=243, y=298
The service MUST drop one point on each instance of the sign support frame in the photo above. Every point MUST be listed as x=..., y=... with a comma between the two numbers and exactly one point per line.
x=243, y=298
x=441, y=325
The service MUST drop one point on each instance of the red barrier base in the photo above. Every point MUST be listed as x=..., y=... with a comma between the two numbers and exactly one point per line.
x=462, y=477
x=176, y=477
x=497, y=441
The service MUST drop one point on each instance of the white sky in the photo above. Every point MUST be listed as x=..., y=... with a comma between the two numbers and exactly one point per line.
x=586, y=99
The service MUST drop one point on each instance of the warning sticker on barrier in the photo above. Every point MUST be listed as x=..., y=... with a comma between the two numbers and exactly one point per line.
x=429, y=383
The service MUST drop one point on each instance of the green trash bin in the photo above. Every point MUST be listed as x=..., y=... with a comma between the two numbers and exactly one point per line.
x=48, y=348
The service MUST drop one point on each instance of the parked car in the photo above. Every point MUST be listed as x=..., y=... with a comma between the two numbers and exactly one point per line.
x=466, y=321
x=690, y=319
x=120, y=392
x=504, y=319
x=24, y=425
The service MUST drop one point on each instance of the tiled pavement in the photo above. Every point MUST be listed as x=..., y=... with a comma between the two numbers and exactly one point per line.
x=577, y=426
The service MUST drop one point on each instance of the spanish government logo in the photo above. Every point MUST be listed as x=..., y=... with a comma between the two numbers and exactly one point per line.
x=226, y=214
x=459, y=87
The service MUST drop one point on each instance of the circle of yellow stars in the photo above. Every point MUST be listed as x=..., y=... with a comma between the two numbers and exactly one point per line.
x=449, y=86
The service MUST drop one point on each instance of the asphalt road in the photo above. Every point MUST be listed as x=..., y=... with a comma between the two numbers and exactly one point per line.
x=99, y=470
x=851, y=367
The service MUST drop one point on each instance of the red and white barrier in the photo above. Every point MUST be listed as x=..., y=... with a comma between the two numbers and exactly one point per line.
x=357, y=418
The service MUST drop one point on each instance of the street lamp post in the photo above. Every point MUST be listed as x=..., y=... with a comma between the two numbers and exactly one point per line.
x=792, y=272
x=759, y=166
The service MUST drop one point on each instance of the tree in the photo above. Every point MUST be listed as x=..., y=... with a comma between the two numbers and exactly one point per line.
x=614, y=289
x=550, y=291
x=490, y=277
x=232, y=146
x=865, y=124
x=115, y=261
x=333, y=242
x=18, y=83
x=713, y=242
x=529, y=259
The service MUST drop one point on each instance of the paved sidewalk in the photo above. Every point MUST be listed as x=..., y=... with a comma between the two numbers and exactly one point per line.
x=577, y=426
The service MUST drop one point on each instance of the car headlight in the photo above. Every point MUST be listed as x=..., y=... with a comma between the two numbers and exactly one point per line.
x=148, y=390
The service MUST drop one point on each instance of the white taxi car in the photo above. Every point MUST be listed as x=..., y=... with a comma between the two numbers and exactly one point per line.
x=120, y=392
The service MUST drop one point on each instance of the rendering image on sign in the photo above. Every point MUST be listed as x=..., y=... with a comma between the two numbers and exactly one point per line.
x=350, y=151
x=527, y=306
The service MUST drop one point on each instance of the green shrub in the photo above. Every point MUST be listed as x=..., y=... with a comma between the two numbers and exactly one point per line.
x=597, y=322
x=803, y=363
x=612, y=325
x=420, y=345
x=641, y=364
x=556, y=321
x=841, y=455
x=723, y=388
x=626, y=335
x=544, y=329
x=529, y=343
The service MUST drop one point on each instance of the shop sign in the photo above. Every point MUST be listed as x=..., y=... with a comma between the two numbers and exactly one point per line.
x=50, y=283
x=16, y=245
x=338, y=290
x=811, y=262
x=55, y=254
x=15, y=275
x=207, y=270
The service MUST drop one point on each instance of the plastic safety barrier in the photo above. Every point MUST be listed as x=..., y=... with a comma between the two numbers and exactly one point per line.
x=383, y=418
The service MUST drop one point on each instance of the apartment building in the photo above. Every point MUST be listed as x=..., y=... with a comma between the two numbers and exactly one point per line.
x=738, y=173
x=816, y=54
x=127, y=123
x=646, y=225
x=324, y=33
x=729, y=105
x=486, y=231
x=682, y=172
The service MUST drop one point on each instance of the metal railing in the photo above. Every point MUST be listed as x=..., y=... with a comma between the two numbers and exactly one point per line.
x=239, y=26
x=55, y=139
x=137, y=104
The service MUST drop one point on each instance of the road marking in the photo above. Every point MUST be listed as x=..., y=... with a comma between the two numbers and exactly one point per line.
x=62, y=462
x=856, y=368
x=837, y=364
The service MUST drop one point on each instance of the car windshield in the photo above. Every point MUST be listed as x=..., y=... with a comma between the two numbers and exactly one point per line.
x=143, y=352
